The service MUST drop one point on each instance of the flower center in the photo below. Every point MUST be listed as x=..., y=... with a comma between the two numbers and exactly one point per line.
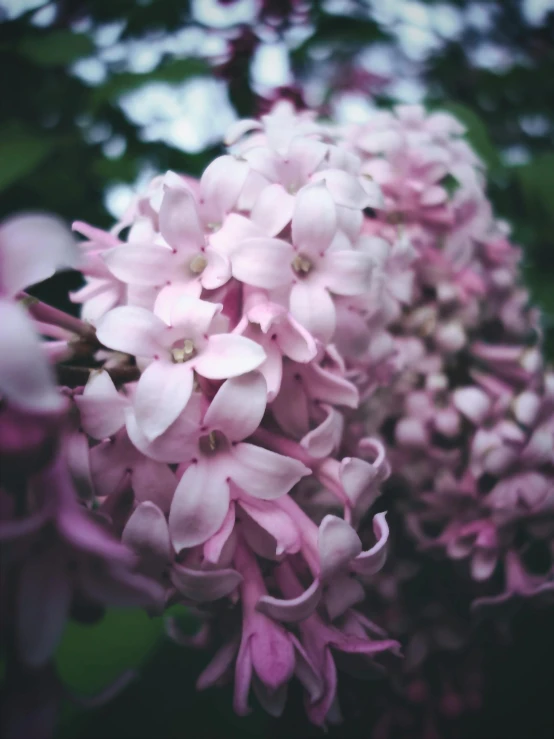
x=212, y=442
x=198, y=264
x=180, y=354
x=301, y=265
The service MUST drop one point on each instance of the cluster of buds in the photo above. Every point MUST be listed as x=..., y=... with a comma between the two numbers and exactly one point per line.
x=258, y=350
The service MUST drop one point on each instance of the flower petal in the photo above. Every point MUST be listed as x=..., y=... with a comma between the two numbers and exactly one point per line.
x=142, y=264
x=199, y=506
x=262, y=473
x=371, y=561
x=101, y=407
x=204, y=586
x=218, y=270
x=293, y=609
x=325, y=438
x=133, y=330
x=162, y=393
x=273, y=209
x=347, y=272
x=338, y=544
x=179, y=220
x=146, y=532
x=32, y=247
x=26, y=379
x=238, y=406
x=263, y=262
x=228, y=355
x=313, y=307
x=276, y=523
x=342, y=593
x=314, y=222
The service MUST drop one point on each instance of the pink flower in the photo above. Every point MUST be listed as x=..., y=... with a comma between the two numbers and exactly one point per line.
x=176, y=349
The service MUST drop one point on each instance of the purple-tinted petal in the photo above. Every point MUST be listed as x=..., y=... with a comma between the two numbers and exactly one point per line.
x=356, y=475
x=32, y=247
x=213, y=548
x=262, y=473
x=291, y=609
x=204, y=586
x=199, y=506
x=219, y=665
x=276, y=523
x=338, y=544
x=26, y=379
x=325, y=438
x=472, y=403
x=306, y=672
x=238, y=407
x=371, y=561
x=146, y=533
x=341, y=594
x=101, y=407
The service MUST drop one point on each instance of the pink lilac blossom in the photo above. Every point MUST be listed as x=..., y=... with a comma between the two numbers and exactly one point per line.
x=317, y=320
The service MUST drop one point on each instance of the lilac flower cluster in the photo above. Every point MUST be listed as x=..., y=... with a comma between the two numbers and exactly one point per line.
x=258, y=351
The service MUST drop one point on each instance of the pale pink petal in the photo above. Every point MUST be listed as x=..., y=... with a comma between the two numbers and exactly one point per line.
x=347, y=272
x=142, y=264
x=263, y=262
x=233, y=232
x=133, y=330
x=162, y=393
x=218, y=270
x=371, y=561
x=272, y=701
x=262, y=473
x=238, y=406
x=179, y=443
x=146, y=532
x=26, y=379
x=101, y=407
x=342, y=593
x=216, y=543
x=153, y=482
x=170, y=294
x=32, y=247
x=199, y=506
x=204, y=586
x=295, y=342
x=332, y=388
x=306, y=671
x=192, y=316
x=179, y=221
x=43, y=601
x=313, y=307
x=276, y=523
x=314, y=222
x=325, y=438
x=292, y=609
x=243, y=677
x=237, y=129
x=290, y=408
x=273, y=209
x=228, y=355
x=221, y=185
x=472, y=403
x=338, y=544
x=272, y=369
x=345, y=189
x=356, y=475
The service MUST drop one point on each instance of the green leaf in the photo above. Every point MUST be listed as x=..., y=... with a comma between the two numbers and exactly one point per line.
x=21, y=152
x=56, y=48
x=90, y=657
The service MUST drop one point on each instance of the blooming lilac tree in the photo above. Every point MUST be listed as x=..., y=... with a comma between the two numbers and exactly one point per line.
x=323, y=337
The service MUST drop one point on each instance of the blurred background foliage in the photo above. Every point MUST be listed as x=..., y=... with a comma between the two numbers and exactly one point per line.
x=98, y=95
